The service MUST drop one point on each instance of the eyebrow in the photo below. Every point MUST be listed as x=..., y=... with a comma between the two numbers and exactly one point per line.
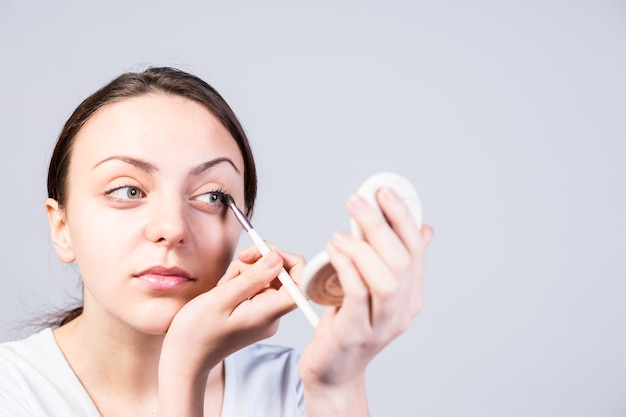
x=138, y=163
x=151, y=168
x=210, y=164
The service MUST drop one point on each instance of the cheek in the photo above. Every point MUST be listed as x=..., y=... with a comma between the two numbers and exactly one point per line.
x=102, y=238
x=98, y=252
x=99, y=229
x=218, y=241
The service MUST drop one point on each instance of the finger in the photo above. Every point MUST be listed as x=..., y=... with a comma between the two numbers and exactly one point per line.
x=417, y=292
x=400, y=219
x=294, y=264
x=356, y=308
x=232, y=271
x=290, y=260
x=236, y=267
x=266, y=306
x=406, y=263
x=379, y=234
x=253, y=280
x=427, y=234
x=416, y=272
x=250, y=254
x=375, y=273
x=387, y=293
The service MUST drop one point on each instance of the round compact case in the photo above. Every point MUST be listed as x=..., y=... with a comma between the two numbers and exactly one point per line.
x=319, y=278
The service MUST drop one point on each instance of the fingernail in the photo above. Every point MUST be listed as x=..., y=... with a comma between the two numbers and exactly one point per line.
x=339, y=238
x=271, y=260
x=357, y=203
x=389, y=194
x=330, y=247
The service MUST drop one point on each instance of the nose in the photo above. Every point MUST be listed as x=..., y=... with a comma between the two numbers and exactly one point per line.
x=167, y=223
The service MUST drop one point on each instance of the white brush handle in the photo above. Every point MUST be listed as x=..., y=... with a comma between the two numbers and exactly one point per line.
x=287, y=282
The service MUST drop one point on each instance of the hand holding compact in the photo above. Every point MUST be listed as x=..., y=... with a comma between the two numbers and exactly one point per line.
x=379, y=272
x=319, y=277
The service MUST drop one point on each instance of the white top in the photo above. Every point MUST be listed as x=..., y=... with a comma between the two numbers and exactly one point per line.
x=36, y=380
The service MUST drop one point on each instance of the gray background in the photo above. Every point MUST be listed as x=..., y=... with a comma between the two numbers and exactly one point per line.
x=509, y=117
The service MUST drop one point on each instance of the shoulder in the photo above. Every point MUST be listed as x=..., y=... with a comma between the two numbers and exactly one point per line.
x=21, y=355
x=35, y=379
x=20, y=366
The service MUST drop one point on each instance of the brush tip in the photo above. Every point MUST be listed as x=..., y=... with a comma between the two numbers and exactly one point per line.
x=228, y=200
x=243, y=220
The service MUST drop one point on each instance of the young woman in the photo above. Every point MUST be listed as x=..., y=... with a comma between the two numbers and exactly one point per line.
x=169, y=321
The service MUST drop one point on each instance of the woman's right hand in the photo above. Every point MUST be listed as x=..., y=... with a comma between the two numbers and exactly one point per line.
x=243, y=308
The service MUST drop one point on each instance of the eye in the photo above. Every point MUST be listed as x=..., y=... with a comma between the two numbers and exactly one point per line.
x=212, y=197
x=126, y=193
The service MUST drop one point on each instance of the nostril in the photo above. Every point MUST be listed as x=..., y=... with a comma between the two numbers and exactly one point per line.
x=166, y=240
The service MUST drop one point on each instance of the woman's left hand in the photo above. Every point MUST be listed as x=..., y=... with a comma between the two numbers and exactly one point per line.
x=382, y=278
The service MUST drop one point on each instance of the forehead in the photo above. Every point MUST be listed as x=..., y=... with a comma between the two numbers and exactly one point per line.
x=157, y=127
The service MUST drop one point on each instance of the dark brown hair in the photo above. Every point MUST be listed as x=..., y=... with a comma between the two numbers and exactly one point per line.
x=132, y=84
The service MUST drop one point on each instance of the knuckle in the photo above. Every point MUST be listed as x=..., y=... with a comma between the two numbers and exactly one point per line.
x=359, y=294
x=259, y=275
x=387, y=290
x=403, y=263
x=358, y=338
x=399, y=325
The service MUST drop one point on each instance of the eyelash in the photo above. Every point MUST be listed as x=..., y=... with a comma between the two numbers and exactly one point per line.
x=218, y=191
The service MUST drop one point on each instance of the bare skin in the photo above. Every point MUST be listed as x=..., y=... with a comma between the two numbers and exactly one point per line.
x=164, y=304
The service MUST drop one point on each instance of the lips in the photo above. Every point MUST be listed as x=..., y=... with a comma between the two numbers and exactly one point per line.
x=163, y=278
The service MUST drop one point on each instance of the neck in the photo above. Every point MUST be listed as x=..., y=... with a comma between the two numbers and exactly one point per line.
x=111, y=356
x=117, y=359
x=118, y=367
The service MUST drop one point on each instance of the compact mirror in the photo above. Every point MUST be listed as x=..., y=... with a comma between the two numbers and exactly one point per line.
x=319, y=278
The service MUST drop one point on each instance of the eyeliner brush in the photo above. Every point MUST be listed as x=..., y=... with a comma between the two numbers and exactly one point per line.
x=283, y=275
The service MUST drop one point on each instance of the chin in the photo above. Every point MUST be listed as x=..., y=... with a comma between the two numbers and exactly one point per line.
x=157, y=328
x=156, y=318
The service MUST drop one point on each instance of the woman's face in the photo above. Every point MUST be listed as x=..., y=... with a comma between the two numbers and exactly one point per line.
x=141, y=219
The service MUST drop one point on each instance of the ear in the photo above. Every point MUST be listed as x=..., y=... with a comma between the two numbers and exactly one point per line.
x=59, y=231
